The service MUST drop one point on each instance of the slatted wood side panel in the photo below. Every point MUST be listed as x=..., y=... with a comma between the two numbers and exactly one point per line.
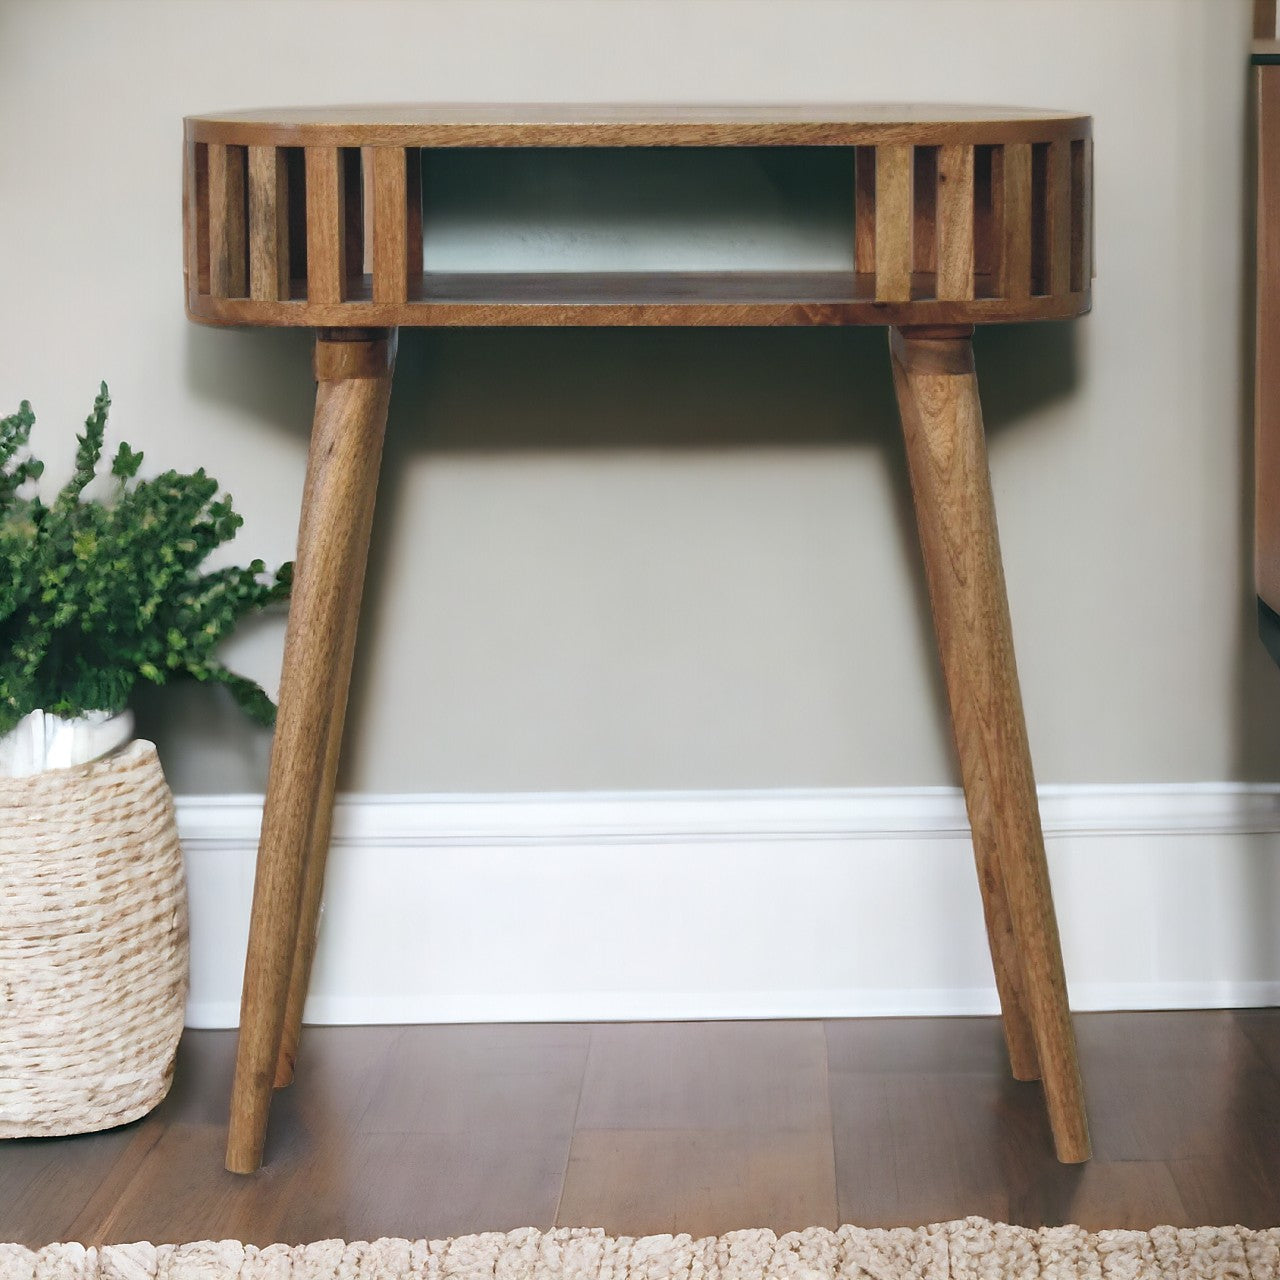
x=957, y=223
x=340, y=229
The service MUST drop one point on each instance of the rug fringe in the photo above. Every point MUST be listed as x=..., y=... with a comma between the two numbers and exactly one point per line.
x=971, y=1249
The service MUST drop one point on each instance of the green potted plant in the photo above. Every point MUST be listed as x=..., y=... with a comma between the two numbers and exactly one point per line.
x=100, y=588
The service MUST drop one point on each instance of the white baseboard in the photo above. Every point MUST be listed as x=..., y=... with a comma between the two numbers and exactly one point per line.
x=778, y=904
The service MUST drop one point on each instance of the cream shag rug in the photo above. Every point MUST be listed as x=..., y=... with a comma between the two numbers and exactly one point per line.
x=970, y=1250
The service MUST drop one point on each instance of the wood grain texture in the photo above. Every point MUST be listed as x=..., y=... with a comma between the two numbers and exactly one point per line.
x=625, y=299
x=354, y=386
x=326, y=229
x=946, y=456
x=1266, y=393
x=565, y=125
x=674, y=1180
x=190, y=222
x=955, y=223
x=864, y=208
x=268, y=225
x=413, y=227
x=228, y=273
x=894, y=233
x=1015, y=258
x=1059, y=204
x=391, y=225
x=363, y=272
x=447, y=1130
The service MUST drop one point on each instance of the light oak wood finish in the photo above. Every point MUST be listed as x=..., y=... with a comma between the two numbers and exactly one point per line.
x=268, y=224
x=961, y=216
x=934, y=375
x=622, y=125
x=894, y=233
x=228, y=276
x=903, y=159
x=955, y=223
x=1014, y=278
x=353, y=374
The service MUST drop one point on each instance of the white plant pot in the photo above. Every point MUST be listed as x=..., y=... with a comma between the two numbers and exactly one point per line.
x=42, y=741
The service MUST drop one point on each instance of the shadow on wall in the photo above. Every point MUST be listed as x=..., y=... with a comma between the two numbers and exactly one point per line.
x=524, y=391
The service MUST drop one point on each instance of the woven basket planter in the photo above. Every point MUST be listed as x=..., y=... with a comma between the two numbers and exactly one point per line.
x=93, y=945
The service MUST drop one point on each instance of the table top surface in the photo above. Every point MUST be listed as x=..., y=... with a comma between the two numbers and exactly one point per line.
x=553, y=124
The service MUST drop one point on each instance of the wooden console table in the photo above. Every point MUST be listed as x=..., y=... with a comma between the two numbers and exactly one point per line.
x=961, y=216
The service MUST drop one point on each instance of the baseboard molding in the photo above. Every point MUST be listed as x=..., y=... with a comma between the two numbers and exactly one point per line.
x=778, y=904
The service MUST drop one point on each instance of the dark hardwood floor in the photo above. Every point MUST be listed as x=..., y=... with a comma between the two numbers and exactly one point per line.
x=670, y=1127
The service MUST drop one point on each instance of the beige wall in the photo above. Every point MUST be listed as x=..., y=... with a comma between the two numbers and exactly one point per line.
x=682, y=560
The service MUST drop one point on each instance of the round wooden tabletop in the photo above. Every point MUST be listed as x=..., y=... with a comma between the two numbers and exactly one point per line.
x=313, y=217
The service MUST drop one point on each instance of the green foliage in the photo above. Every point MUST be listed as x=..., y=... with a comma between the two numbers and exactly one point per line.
x=97, y=592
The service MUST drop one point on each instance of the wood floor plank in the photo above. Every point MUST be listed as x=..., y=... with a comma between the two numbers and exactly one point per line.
x=517, y=1080
x=933, y=1045
x=1242, y=1186
x=699, y=1127
x=1175, y=1085
x=706, y=1075
x=48, y=1185
x=1122, y=1195
x=429, y=1185
x=700, y=1181
x=924, y=1147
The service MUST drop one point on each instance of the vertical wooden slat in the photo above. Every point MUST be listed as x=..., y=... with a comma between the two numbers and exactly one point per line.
x=864, y=210
x=1015, y=256
x=228, y=275
x=955, y=222
x=413, y=226
x=1079, y=233
x=190, y=220
x=390, y=225
x=325, y=225
x=1091, y=257
x=1058, y=202
x=268, y=224
x=217, y=180
x=893, y=223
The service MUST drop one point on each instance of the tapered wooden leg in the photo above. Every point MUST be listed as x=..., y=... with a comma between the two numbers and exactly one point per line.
x=317, y=857
x=353, y=373
x=937, y=390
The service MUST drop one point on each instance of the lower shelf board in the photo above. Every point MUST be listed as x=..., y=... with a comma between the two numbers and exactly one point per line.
x=661, y=298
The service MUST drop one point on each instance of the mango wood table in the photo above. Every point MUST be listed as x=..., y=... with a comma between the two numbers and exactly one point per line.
x=961, y=216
